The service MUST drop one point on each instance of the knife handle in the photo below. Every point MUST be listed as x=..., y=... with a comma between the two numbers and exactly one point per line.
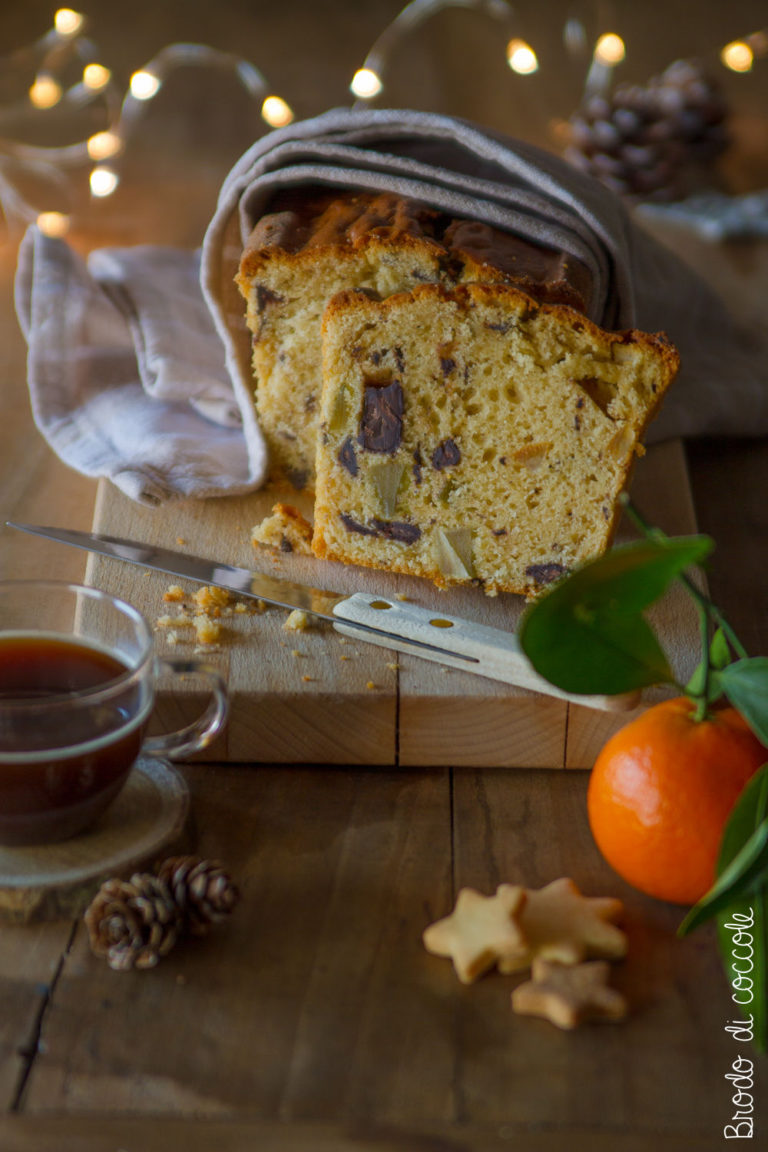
x=459, y=643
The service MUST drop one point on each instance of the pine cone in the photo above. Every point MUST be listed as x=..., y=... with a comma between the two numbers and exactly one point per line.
x=133, y=923
x=646, y=142
x=202, y=889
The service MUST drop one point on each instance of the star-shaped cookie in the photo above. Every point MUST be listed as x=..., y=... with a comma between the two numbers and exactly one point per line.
x=558, y=923
x=479, y=932
x=569, y=994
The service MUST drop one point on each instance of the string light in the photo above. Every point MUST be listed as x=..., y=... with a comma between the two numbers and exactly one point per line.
x=368, y=81
x=276, y=112
x=738, y=56
x=103, y=145
x=366, y=84
x=96, y=77
x=55, y=224
x=54, y=53
x=522, y=58
x=54, y=168
x=144, y=85
x=610, y=49
x=68, y=22
x=45, y=92
x=103, y=181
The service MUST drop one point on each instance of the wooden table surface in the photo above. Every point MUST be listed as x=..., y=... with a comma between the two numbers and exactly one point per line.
x=314, y=1018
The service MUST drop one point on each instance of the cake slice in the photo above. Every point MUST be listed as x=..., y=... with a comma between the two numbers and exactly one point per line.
x=315, y=242
x=474, y=434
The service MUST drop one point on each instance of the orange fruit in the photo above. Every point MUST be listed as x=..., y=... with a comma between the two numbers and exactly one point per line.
x=661, y=792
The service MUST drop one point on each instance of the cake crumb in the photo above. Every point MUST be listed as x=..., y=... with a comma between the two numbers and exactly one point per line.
x=285, y=529
x=167, y=621
x=211, y=597
x=297, y=621
x=180, y=540
x=173, y=593
x=370, y=684
x=297, y=653
x=393, y=667
x=208, y=630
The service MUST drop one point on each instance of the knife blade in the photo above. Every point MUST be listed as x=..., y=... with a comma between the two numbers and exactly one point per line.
x=378, y=619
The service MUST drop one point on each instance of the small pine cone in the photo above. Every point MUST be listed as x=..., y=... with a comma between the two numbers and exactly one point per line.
x=648, y=142
x=133, y=923
x=202, y=890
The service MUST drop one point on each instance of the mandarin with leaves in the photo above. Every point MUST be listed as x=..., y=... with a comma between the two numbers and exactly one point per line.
x=661, y=791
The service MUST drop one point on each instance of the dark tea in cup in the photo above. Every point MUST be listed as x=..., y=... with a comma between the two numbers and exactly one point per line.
x=62, y=765
x=77, y=687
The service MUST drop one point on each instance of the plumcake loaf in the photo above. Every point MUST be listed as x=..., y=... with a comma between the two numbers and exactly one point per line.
x=315, y=242
x=474, y=434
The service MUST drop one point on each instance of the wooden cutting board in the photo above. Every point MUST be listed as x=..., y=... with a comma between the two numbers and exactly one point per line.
x=315, y=697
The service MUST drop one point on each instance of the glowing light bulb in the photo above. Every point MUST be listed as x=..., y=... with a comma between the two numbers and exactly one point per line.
x=522, y=58
x=366, y=84
x=144, y=85
x=45, y=92
x=54, y=224
x=68, y=22
x=96, y=76
x=102, y=145
x=276, y=112
x=610, y=49
x=737, y=56
x=103, y=181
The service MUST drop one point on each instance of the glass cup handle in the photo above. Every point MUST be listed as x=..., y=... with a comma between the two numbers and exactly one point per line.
x=202, y=731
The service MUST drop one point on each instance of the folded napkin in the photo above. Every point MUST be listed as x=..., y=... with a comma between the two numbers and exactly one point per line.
x=126, y=372
x=139, y=359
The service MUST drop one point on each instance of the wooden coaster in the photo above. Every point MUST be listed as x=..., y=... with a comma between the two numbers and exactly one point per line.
x=45, y=882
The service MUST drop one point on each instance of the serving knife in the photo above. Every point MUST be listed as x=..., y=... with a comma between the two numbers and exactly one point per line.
x=383, y=620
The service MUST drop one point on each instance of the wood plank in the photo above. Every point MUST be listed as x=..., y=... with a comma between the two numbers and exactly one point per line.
x=159, y=1134
x=310, y=1001
x=316, y=697
x=317, y=1004
x=285, y=686
x=662, y=1067
x=30, y=959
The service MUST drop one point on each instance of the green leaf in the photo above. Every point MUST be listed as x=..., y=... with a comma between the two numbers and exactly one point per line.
x=743, y=856
x=744, y=875
x=708, y=669
x=719, y=652
x=750, y=812
x=695, y=686
x=587, y=634
x=745, y=683
x=739, y=900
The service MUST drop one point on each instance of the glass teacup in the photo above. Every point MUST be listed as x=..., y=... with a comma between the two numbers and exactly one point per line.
x=78, y=676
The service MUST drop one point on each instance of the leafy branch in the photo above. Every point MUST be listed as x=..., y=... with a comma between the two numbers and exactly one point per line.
x=588, y=634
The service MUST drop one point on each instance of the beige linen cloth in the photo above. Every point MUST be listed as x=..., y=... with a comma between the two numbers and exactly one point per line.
x=139, y=359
